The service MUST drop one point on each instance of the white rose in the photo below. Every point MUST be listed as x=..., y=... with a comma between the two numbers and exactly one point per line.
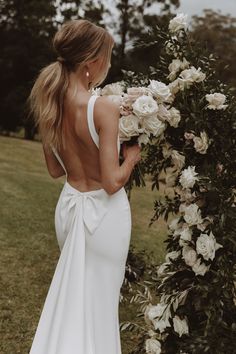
x=145, y=106
x=201, y=143
x=175, y=66
x=182, y=207
x=200, y=268
x=178, y=159
x=192, y=215
x=152, y=346
x=116, y=99
x=174, y=117
x=148, y=314
x=189, y=76
x=206, y=245
x=153, y=125
x=130, y=97
x=154, y=311
x=216, y=101
x=178, y=23
x=143, y=139
x=180, y=326
x=174, y=224
x=128, y=100
x=153, y=314
x=188, y=177
x=129, y=126
x=189, y=255
x=160, y=90
x=185, y=236
x=161, y=325
x=135, y=92
x=115, y=88
x=163, y=113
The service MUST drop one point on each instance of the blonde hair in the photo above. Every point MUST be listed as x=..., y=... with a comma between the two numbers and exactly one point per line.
x=76, y=42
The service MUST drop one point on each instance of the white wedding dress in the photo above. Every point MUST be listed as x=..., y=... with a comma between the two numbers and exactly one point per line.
x=81, y=311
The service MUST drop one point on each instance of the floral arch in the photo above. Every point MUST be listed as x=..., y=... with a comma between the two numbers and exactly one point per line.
x=185, y=121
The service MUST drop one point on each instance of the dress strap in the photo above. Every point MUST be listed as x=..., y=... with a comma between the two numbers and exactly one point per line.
x=90, y=119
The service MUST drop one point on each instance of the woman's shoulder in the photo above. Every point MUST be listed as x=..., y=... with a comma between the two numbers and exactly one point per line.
x=105, y=109
x=104, y=103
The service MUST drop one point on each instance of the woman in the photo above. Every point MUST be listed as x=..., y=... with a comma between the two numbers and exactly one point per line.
x=92, y=217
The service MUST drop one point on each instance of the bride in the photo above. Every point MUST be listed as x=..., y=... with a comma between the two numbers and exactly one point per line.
x=92, y=217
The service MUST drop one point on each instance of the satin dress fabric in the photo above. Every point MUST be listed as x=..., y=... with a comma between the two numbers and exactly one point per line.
x=93, y=229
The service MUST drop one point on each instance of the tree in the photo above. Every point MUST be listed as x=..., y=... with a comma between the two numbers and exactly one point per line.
x=132, y=20
x=25, y=31
x=217, y=33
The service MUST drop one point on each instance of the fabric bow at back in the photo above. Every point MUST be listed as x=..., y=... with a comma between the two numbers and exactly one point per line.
x=91, y=206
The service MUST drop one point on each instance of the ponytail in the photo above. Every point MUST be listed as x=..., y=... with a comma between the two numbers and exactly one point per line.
x=46, y=102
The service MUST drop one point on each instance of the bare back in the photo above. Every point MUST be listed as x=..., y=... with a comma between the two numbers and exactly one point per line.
x=81, y=156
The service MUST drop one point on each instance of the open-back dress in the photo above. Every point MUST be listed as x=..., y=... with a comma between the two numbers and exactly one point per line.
x=93, y=229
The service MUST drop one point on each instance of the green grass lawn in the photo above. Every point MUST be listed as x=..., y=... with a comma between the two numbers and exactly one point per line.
x=29, y=250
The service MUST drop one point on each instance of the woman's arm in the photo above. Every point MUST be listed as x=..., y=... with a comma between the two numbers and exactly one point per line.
x=106, y=118
x=53, y=165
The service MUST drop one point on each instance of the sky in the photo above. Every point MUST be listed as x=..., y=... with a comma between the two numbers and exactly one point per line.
x=195, y=7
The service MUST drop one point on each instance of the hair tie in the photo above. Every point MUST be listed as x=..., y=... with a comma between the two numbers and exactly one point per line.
x=61, y=60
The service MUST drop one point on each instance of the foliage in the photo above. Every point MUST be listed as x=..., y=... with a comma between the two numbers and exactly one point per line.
x=200, y=300
x=217, y=33
x=25, y=29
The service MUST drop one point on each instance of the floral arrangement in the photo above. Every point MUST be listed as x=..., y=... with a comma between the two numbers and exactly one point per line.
x=193, y=118
x=145, y=111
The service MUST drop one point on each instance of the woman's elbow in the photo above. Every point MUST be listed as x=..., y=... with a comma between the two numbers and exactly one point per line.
x=111, y=187
x=56, y=174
